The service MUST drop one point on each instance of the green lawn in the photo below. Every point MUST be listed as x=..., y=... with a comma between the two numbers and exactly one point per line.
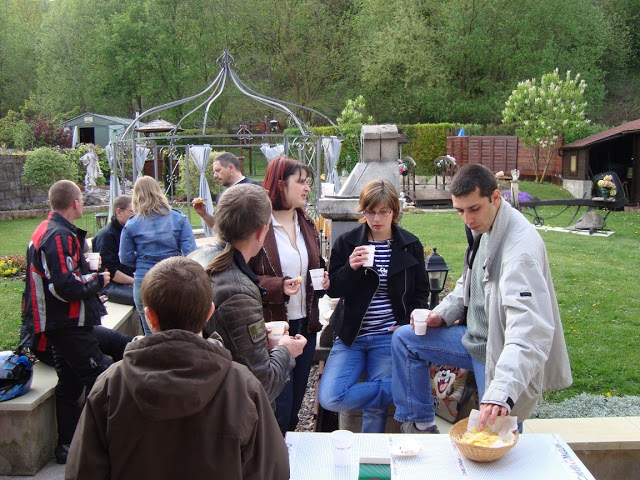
x=596, y=280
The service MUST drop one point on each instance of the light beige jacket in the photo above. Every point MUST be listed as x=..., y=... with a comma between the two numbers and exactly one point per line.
x=526, y=351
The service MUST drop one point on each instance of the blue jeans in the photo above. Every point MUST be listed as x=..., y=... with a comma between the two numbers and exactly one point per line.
x=137, y=298
x=289, y=401
x=340, y=390
x=411, y=381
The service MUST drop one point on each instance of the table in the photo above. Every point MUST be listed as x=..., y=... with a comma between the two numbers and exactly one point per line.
x=535, y=457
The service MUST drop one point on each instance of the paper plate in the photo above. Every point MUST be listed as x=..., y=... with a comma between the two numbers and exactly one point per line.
x=405, y=448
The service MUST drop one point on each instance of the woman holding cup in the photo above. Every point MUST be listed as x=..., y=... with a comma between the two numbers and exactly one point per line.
x=377, y=270
x=285, y=265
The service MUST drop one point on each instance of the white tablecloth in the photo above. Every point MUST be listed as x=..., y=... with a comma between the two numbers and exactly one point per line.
x=535, y=457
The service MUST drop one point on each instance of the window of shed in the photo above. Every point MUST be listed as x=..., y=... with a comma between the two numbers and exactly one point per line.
x=574, y=164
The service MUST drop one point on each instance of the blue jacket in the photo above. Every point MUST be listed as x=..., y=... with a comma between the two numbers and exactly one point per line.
x=146, y=241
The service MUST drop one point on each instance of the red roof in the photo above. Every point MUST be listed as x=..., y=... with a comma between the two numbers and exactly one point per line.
x=631, y=127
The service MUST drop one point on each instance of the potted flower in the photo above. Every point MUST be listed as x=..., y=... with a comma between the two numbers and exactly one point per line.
x=403, y=168
x=607, y=187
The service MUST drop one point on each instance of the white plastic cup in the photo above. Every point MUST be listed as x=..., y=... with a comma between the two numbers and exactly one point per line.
x=277, y=330
x=342, y=441
x=93, y=259
x=420, y=321
x=371, y=252
x=317, y=275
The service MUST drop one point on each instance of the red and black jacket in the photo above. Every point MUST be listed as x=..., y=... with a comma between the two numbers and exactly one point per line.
x=60, y=291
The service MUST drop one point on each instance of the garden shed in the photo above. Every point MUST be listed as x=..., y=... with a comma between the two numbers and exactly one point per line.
x=97, y=128
x=616, y=150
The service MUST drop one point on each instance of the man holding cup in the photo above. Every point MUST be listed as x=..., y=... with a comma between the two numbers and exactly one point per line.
x=501, y=320
x=61, y=307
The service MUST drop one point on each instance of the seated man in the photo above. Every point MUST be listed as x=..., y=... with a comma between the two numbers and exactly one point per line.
x=508, y=331
x=107, y=244
x=177, y=406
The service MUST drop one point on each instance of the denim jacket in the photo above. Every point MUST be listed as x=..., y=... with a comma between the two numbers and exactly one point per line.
x=146, y=241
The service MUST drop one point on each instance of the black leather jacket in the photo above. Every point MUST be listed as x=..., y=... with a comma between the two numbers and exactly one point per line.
x=407, y=281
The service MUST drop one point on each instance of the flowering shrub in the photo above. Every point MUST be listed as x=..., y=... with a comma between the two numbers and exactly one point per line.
x=543, y=111
x=607, y=182
x=12, y=266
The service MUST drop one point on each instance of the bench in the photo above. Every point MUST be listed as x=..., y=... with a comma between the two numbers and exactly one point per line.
x=122, y=318
x=28, y=422
x=608, y=446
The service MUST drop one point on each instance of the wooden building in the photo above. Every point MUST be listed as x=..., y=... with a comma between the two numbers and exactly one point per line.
x=614, y=150
x=502, y=153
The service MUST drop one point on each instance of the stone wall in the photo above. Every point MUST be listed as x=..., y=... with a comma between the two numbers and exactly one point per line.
x=13, y=193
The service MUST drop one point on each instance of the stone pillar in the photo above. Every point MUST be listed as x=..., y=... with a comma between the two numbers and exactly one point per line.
x=378, y=159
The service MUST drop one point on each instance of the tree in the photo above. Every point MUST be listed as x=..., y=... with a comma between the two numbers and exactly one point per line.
x=19, y=24
x=543, y=111
x=350, y=122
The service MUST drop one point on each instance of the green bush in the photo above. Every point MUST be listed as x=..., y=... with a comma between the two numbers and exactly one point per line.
x=23, y=137
x=45, y=166
x=426, y=143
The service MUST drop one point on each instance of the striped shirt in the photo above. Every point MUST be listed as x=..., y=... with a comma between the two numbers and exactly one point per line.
x=379, y=316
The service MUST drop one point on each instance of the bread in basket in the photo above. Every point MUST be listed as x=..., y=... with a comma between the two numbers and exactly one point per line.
x=477, y=452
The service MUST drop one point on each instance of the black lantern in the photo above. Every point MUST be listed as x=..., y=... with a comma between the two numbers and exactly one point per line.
x=101, y=220
x=437, y=271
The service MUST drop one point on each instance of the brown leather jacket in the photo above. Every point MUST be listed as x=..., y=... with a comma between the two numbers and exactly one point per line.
x=267, y=266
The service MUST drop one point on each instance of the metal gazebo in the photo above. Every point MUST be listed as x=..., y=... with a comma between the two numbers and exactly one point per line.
x=128, y=154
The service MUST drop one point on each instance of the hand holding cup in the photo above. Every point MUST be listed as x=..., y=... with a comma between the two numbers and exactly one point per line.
x=362, y=256
x=419, y=320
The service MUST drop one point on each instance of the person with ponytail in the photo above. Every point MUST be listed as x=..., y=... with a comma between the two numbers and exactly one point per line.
x=243, y=215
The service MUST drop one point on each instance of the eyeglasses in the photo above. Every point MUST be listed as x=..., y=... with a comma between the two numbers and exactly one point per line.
x=380, y=213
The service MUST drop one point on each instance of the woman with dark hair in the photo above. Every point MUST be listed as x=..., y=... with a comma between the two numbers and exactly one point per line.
x=291, y=248
x=154, y=233
x=374, y=301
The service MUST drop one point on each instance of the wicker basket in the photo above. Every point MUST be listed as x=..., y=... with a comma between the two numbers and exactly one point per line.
x=477, y=452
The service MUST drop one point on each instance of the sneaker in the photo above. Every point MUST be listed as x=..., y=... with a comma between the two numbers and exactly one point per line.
x=410, y=427
x=61, y=452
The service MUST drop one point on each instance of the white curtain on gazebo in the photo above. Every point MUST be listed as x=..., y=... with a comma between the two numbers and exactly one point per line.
x=141, y=156
x=114, y=184
x=75, y=137
x=272, y=152
x=200, y=156
x=332, y=147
